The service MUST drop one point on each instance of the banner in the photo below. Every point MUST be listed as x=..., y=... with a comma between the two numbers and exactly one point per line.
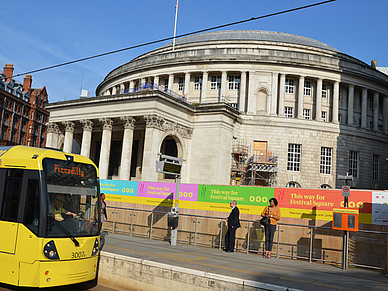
x=313, y=204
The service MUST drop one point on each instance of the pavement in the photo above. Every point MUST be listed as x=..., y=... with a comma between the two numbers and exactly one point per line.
x=284, y=272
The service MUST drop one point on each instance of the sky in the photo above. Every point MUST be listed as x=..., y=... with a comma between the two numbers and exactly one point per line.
x=43, y=33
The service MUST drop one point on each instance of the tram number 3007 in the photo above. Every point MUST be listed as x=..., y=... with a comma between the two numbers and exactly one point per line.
x=78, y=255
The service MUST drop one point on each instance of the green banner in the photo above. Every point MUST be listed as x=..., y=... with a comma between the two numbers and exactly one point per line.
x=256, y=196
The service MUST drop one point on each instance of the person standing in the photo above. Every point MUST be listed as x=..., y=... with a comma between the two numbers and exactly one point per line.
x=273, y=214
x=233, y=224
x=104, y=216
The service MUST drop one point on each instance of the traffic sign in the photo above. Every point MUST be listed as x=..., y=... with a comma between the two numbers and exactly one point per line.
x=345, y=191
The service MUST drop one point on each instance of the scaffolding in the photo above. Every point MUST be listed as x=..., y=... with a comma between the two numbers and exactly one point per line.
x=262, y=170
x=240, y=152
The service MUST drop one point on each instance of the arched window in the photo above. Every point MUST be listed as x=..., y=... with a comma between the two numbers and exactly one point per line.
x=293, y=185
x=325, y=186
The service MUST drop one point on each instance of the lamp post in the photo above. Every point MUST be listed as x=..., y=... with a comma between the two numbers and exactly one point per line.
x=172, y=166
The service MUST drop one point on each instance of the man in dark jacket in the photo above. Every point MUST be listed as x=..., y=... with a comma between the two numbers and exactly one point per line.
x=233, y=224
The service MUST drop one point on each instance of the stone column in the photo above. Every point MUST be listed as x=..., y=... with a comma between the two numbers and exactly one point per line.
x=114, y=90
x=251, y=96
x=376, y=106
x=335, y=101
x=282, y=94
x=318, y=104
x=170, y=81
x=364, y=107
x=154, y=125
x=187, y=84
x=86, y=137
x=205, y=76
x=52, y=135
x=156, y=80
x=223, y=86
x=243, y=89
x=126, y=152
x=300, y=97
x=274, y=94
x=122, y=88
x=131, y=86
x=69, y=132
x=350, y=104
x=103, y=165
x=385, y=115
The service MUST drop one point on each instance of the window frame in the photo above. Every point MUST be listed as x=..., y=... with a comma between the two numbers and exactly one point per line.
x=353, y=163
x=290, y=86
x=215, y=82
x=234, y=82
x=287, y=112
x=307, y=113
x=294, y=157
x=326, y=164
x=307, y=88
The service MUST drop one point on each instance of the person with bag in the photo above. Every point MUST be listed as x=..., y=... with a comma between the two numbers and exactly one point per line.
x=272, y=213
x=233, y=224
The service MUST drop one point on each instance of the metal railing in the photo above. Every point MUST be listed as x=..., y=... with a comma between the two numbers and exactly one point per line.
x=367, y=249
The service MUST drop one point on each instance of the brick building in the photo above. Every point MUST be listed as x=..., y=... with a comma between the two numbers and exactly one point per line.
x=23, y=112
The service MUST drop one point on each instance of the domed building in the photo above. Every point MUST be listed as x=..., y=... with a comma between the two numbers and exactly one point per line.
x=239, y=107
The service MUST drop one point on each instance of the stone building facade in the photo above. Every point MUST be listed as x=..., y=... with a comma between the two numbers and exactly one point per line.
x=310, y=111
x=23, y=113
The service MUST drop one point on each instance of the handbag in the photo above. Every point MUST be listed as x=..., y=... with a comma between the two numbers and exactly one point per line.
x=264, y=220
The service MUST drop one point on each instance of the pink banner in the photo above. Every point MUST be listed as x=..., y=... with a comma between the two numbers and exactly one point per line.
x=188, y=192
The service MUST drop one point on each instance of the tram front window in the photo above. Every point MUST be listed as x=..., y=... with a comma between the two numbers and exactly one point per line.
x=72, y=198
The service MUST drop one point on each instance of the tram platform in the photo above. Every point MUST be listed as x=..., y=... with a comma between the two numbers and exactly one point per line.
x=136, y=263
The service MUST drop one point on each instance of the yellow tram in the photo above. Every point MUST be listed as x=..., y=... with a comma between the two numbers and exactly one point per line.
x=49, y=217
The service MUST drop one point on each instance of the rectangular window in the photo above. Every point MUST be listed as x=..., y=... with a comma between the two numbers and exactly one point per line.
x=324, y=116
x=371, y=104
x=294, y=157
x=324, y=91
x=353, y=164
x=306, y=113
x=288, y=112
x=181, y=83
x=215, y=83
x=326, y=160
x=12, y=192
x=380, y=125
x=197, y=83
x=234, y=82
x=290, y=86
x=307, y=88
x=370, y=125
x=375, y=167
x=166, y=83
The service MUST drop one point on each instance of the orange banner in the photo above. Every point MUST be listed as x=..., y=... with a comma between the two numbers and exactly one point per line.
x=321, y=199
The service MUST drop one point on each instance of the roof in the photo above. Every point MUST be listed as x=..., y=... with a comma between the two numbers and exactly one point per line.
x=253, y=35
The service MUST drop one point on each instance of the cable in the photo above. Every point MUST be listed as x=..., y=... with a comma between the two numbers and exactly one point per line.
x=170, y=38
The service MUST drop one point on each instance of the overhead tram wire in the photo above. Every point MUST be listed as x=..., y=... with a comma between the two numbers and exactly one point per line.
x=170, y=38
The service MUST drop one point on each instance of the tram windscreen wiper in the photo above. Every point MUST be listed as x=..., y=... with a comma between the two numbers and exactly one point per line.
x=52, y=218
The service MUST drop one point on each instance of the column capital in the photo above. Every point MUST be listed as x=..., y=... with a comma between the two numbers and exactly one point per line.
x=129, y=122
x=52, y=127
x=107, y=123
x=154, y=121
x=87, y=124
x=69, y=126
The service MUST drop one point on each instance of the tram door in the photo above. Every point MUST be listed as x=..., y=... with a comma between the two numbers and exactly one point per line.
x=11, y=186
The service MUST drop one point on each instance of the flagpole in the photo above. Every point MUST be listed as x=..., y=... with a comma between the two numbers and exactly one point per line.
x=176, y=17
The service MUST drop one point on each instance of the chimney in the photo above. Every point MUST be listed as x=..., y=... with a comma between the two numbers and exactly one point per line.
x=27, y=83
x=8, y=72
x=374, y=64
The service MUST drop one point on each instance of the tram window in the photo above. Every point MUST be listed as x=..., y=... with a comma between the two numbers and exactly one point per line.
x=12, y=189
x=31, y=212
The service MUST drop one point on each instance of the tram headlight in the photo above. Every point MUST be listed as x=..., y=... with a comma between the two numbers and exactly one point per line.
x=95, y=248
x=50, y=251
